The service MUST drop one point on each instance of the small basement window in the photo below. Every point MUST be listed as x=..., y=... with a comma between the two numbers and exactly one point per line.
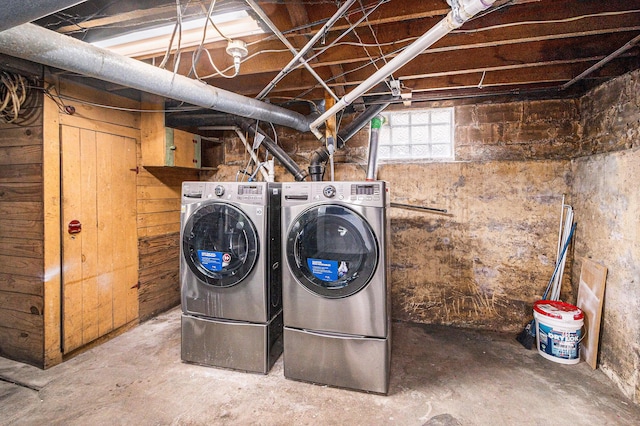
x=417, y=135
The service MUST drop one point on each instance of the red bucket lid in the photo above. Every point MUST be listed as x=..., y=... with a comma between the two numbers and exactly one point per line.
x=558, y=310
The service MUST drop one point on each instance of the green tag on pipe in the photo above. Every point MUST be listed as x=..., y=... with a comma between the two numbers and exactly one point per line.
x=376, y=123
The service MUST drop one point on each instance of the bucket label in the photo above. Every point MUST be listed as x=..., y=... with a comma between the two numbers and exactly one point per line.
x=213, y=260
x=325, y=270
x=560, y=344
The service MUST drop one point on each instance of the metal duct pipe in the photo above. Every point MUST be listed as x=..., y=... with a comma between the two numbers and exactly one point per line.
x=275, y=150
x=321, y=155
x=15, y=13
x=461, y=11
x=253, y=155
x=316, y=161
x=36, y=44
x=374, y=137
x=363, y=119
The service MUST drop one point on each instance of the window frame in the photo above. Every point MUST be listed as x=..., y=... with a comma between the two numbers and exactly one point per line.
x=382, y=142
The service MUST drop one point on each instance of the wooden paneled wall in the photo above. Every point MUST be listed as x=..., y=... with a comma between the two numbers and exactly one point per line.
x=158, y=237
x=30, y=227
x=22, y=234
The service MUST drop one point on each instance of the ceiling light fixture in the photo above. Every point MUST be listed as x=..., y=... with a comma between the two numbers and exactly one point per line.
x=147, y=42
x=238, y=50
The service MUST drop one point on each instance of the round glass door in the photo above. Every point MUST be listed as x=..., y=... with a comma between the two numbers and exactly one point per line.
x=332, y=251
x=220, y=244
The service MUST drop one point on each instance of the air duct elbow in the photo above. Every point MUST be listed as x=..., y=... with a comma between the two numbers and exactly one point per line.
x=316, y=163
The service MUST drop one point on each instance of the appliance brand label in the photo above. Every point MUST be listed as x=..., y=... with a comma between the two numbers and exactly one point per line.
x=213, y=260
x=326, y=270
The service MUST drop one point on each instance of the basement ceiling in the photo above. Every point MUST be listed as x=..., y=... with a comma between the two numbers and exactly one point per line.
x=516, y=49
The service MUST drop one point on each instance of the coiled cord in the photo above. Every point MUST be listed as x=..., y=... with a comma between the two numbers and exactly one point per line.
x=14, y=90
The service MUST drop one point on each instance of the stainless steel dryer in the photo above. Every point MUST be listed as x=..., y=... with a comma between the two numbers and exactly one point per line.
x=231, y=282
x=336, y=301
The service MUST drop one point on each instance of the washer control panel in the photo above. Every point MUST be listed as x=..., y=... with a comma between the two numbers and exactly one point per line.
x=245, y=192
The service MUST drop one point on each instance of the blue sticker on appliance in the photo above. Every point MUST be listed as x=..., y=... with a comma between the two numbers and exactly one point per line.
x=211, y=260
x=326, y=270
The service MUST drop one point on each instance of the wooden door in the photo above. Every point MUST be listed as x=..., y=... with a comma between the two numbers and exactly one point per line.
x=100, y=262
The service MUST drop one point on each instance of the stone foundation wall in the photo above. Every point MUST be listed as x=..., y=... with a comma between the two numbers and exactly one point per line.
x=483, y=263
x=606, y=197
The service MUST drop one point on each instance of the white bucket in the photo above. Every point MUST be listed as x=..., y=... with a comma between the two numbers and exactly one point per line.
x=558, y=330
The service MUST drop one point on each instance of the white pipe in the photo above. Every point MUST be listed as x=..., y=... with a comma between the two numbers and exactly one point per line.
x=263, y=16
x=557, y=283
x=462, y=11
x=299, y=57
x=560, y=229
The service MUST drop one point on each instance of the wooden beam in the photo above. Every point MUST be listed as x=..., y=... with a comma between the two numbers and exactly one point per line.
x=299, y=16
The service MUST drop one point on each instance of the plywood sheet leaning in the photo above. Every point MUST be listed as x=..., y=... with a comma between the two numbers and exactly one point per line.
x=590, y=297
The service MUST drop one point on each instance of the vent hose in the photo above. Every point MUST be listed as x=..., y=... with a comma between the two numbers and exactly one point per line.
x=321, y=155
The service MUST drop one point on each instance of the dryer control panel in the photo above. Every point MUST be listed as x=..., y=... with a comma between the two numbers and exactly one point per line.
x=371, y=194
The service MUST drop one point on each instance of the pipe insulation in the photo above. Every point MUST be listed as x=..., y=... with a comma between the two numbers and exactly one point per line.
x=36, y=44
x=16, y=13
x=461, y=12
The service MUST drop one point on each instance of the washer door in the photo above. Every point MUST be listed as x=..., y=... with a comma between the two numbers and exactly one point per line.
x=220, y=244
x=332, y=251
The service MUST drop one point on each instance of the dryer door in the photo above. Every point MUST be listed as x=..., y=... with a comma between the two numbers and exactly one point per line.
x=332, y=251
x=220, y=244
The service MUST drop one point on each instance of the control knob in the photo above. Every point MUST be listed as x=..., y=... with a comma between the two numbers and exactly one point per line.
x=219, y=190
x=329, y=191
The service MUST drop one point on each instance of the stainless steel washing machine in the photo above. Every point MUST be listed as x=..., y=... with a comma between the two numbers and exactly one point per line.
x=336, y=302
x=230, y=275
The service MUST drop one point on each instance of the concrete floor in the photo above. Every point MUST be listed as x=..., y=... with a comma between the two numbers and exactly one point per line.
x=440, y=376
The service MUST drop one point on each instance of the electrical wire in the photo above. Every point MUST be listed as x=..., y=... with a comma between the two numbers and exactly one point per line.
x=177, y=28
x=52, y=93
x=253, y=55
x=13, y=94
x=373, y=33
x=411, y=39
x=195, y=57
x=548, y=21
x=351, y=27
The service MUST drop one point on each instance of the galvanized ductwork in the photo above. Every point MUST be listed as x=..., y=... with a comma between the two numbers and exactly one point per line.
x=36, y=44
x=16, y=13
